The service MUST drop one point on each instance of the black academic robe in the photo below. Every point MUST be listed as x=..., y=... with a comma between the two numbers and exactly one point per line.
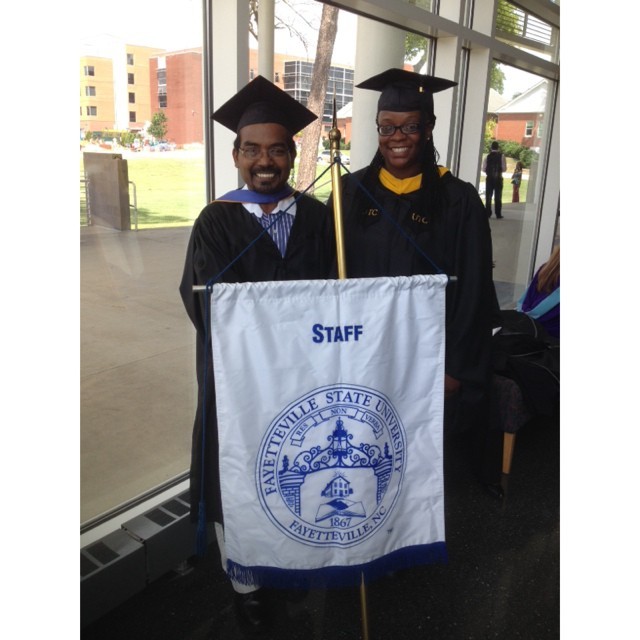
x=413, y=242
x=222, y=232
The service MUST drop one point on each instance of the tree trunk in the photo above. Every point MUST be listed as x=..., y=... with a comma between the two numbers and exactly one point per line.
x=315, y=103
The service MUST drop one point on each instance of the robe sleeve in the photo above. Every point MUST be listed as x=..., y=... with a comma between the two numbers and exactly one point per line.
x=208, y=256
x=472, y=297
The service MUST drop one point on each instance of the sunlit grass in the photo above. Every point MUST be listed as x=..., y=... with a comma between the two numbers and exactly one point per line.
x=169, y=188
x=170, y=191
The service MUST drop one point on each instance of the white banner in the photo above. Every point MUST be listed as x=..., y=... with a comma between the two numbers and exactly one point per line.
x=330, y=398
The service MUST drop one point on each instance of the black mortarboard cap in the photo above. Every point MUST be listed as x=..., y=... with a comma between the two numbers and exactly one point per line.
x=404, y=90
x=260, y=102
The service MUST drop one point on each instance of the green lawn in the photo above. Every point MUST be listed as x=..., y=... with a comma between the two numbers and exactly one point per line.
x=170, y=189
x=507, y=189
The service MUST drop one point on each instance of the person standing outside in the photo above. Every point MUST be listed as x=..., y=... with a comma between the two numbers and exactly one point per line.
x=262, y=232
x=404, y=214
x=516, y=181
x=493, y=166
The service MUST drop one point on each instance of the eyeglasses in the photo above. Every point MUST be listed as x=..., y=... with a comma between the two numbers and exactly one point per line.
x=390, y=129
x=251, y=153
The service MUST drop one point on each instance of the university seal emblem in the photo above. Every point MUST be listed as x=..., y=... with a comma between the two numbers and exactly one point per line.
x=330, y=466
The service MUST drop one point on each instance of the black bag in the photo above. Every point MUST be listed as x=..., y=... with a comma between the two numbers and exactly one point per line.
x=494, y=165
x=523, y=351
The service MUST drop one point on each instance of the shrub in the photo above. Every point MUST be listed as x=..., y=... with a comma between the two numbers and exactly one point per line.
x=515, y=150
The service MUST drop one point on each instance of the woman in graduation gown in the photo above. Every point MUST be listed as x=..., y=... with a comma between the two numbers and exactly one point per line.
x=406, y=215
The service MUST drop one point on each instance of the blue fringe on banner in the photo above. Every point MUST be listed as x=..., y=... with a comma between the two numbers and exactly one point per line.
x=201, y=531
x=338, y=576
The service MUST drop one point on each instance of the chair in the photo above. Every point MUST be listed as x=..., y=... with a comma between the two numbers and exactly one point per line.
x=508, y=414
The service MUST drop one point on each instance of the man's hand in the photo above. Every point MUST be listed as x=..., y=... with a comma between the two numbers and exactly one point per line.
x=451, y=386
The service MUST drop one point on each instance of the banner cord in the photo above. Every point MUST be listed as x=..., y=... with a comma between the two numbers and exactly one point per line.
x=396, y=223
x=213, y=279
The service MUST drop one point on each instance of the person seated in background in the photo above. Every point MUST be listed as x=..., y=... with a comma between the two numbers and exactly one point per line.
x=541, y=300
x=516, y=181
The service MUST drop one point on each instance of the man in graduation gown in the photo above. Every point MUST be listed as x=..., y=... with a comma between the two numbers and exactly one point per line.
x=263, y=232
x=406, y=215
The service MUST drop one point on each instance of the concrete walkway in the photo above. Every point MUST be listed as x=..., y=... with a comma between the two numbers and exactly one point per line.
x=137, y=364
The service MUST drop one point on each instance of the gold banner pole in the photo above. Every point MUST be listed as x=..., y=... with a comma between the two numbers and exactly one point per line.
x=336, y=188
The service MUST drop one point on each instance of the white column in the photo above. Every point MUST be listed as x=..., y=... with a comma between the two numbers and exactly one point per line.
x=551, y=196
x=266, y=28
x=474, y=115
x=378, y=48
x=445, y=102
x=230, y=72
x=484, y=16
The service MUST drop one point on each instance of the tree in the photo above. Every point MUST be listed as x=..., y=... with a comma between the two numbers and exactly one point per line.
x=281, y=21
x=158, y=126
x=497, y=77
x=318, y=91
x=416, y=46
x=489, y=133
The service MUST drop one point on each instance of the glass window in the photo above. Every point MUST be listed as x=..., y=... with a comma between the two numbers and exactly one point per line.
x=137, y=357
x=89, y=91
x=132, y=97
x=525, y=31
x=427, y=5
x=137, y=383
x=516, y=106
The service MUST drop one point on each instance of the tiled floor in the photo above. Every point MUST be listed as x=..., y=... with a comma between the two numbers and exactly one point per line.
x=502, y=579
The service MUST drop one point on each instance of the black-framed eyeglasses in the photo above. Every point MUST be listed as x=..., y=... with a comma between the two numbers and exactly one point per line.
x=390, y=129
x=251, y=153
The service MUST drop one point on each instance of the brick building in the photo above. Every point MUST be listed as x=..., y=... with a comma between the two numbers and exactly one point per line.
x=521, y=120
x=115, y=87
x=176, y=89
x=120, y=96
